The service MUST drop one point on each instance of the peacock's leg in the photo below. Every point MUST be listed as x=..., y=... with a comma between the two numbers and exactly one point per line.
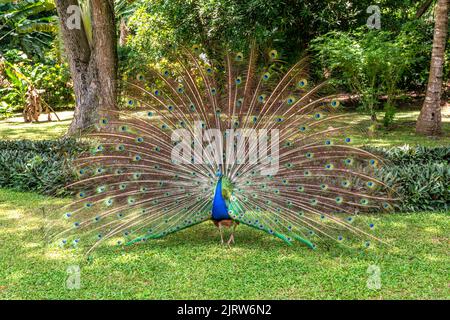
x=221, y=233
x=231, y=240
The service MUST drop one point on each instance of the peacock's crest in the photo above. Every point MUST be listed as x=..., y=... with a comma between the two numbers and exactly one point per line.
x=275, y=142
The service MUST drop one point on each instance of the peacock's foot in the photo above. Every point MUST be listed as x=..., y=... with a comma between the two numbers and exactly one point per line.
x=231, y=240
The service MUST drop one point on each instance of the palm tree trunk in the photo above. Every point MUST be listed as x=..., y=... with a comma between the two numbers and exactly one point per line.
x=429, y=121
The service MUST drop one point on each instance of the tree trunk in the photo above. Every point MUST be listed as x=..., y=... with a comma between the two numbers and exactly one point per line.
x=93, y=66
x=429, y=121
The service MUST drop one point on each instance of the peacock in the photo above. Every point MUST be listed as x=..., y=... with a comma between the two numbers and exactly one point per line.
x=238, y=138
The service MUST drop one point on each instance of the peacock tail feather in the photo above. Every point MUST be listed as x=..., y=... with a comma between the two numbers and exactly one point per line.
x=285, y=167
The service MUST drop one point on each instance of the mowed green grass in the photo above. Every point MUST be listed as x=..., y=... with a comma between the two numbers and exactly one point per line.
x=192, y=264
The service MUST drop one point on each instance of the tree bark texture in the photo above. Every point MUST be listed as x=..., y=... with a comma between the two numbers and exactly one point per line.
x=429, y=120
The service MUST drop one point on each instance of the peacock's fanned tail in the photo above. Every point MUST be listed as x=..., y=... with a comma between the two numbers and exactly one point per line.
x=138, y=182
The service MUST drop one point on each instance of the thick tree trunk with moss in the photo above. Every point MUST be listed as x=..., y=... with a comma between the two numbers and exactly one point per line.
x=93, y=63
x=429, y=121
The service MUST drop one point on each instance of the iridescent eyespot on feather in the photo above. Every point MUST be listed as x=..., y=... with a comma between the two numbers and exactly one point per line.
x=373, y=162
x=130, y=102
x=279, y=119
x=348, y=140
x=137, y=158
x=209, y=70
x=104, y=121
x=339, y=200
x=323, y=186
x=302, y=128
x=76, y=224
x=67, y=215
x=180, y=89
x=81, y=171
x=348, y=161
x=238, y=80
x=335, y=103
x=101, y=189
x=150, y=114
x=367, y=244
x=213, y=91
x=345, y=183
x=306, y=173
x=370, y=184
x=166, y=73
x=140, y=77
x=262, y=98
x=302, y=83
x=196, y=48
x=340, y=238
x=290, y=100
x=120, y=147
x=318, y=116
x=350, y=219
x=309, y=155
x=329, y=166
x=300, y=189
x=328, y=142
x=139, y=139
x=123, y=128
x=266, y=76
x=273, y=54
x=192, y=107
x=364, y=202
x=239, y=102
x=371, y=226
x=239, y=56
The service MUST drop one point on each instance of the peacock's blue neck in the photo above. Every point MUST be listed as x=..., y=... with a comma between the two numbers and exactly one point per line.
x=219, y=205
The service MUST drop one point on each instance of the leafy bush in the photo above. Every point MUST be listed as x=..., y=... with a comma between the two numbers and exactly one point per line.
x=40, y=166
x=408, y=155
x=373, y=63
x=49, y=76
x=421, y=187
x=420, y=175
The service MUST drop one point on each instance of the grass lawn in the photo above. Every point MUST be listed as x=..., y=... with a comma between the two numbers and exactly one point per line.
x=191, y=264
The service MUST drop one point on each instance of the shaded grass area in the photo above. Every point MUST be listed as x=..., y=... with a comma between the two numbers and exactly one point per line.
x=402, y=131
x=192, y=265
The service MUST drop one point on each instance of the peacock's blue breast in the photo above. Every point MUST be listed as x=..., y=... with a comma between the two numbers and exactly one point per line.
x=219, y=206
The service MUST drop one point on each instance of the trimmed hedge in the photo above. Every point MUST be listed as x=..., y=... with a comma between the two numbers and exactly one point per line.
x=420, y=174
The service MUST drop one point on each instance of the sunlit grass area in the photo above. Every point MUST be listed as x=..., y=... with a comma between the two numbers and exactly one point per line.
x=402, y=131
x=15, y=128
x=192, y=264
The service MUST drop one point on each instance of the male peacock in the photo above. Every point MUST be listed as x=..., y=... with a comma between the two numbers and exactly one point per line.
x=240, y=141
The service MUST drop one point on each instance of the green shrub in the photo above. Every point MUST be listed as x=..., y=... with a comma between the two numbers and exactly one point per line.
x=420, y=175
x=421, y=187
x=406, y=155
x=40, y=166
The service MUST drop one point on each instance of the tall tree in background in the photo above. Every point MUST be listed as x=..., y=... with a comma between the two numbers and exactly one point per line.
x=429, y=121
x=92, y=55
